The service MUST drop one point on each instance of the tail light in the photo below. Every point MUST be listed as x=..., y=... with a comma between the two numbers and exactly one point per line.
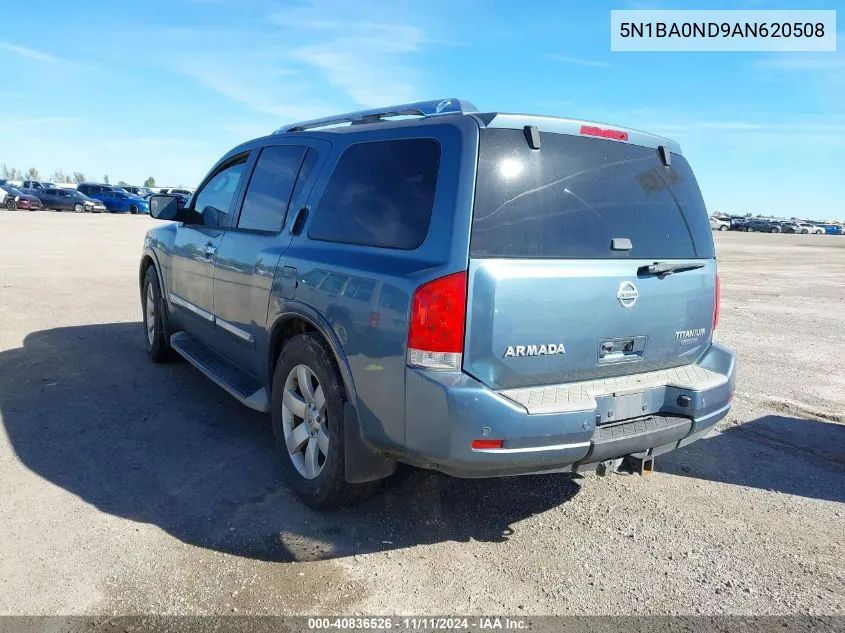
x=436, y=332
x=716, y=308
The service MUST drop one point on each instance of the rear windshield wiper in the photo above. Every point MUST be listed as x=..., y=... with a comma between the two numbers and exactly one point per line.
x=666, y=268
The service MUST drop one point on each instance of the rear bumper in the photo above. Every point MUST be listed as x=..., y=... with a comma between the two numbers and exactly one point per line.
x=653, y=414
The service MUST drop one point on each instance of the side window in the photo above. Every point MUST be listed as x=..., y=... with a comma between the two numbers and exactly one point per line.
x=213, y=202
x=381, y=193
x=51, y=192
x=268, y=193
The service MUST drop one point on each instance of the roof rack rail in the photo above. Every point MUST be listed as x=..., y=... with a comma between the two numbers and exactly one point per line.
x=420, y=108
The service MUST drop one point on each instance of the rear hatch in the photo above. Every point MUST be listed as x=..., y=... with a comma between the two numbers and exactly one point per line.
x=559, y=287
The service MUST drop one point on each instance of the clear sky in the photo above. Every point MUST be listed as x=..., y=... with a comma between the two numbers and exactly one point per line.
x=163, y=88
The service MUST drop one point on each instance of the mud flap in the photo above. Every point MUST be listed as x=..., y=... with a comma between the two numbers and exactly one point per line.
x=362, y=463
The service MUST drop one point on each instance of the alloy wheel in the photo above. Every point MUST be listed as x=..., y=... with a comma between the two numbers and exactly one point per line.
x=150, y=314
x=304, y=422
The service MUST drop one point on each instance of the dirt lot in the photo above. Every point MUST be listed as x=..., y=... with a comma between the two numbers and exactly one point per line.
x=130, y=488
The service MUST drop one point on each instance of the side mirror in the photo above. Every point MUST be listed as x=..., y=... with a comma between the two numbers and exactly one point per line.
x=164, y=207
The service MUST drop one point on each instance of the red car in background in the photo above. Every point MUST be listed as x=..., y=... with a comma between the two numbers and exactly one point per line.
x=16, y=199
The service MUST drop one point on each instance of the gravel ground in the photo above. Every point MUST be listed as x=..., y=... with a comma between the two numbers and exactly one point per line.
x=129, y=488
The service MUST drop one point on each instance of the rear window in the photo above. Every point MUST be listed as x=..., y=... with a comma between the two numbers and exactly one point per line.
x=574, y=195
x=381, y=193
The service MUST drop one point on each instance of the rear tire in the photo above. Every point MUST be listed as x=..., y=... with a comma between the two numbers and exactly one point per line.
x=154, y=312
x=748, y=229
x=723, y=228
x=11, y=205
x=307, y=409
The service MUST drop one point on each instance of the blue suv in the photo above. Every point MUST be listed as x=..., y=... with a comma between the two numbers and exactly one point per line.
x=480, y=293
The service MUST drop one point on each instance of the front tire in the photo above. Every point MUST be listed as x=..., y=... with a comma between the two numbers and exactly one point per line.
x=155, y=334
x=749, y=230
x=307, y=409
x=723, y=228
x=11, y=205
x=133, y=209
x=79, y=208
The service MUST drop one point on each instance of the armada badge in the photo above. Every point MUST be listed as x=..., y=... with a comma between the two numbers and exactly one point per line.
x=536, y=350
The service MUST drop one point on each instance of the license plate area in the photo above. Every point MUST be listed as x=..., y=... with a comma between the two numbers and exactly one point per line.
x=624, y=405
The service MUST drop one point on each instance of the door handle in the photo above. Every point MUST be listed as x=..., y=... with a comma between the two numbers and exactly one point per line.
x=299, y=221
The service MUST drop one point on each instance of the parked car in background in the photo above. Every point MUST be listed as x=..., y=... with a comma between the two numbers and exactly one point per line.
x=90, y=188
x=719, y=225
x=17, y=199
x=32, y=187
x=832, y=229
x=143, y=192
x=181, y=197
x=806, y=228
x=170, y=192
x=116, y=199
x=4, y=191
x=69, y=200
x=760, y=225
x=122, y=202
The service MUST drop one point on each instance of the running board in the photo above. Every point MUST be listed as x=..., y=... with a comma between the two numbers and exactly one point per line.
x=237, y=383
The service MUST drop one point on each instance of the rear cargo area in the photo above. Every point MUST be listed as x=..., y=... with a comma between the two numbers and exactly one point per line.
x=562, y=284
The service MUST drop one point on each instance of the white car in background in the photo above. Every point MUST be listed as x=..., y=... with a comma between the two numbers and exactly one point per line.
x=808, y=229
x=719, y=225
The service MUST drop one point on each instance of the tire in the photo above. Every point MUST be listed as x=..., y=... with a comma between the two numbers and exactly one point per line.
x=804, y=232
x=11, y=205
x=748, y=229
x=133, y=209
x=79, y=208
x=156, y=340
x=305, y=360
x=723, y=228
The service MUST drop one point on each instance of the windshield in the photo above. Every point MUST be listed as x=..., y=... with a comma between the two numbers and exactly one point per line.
x=574, y=195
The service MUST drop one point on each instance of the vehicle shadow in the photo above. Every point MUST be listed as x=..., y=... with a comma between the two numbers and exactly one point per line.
x=796, y=456
x=85, y=409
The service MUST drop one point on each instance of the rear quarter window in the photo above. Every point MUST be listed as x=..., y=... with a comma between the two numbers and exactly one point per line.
x=381, y=193
x=574, y=195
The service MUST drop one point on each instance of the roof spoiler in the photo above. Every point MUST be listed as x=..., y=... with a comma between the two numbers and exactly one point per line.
x=420, y=108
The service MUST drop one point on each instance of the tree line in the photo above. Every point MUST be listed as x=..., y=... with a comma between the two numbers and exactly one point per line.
x=59, y=176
